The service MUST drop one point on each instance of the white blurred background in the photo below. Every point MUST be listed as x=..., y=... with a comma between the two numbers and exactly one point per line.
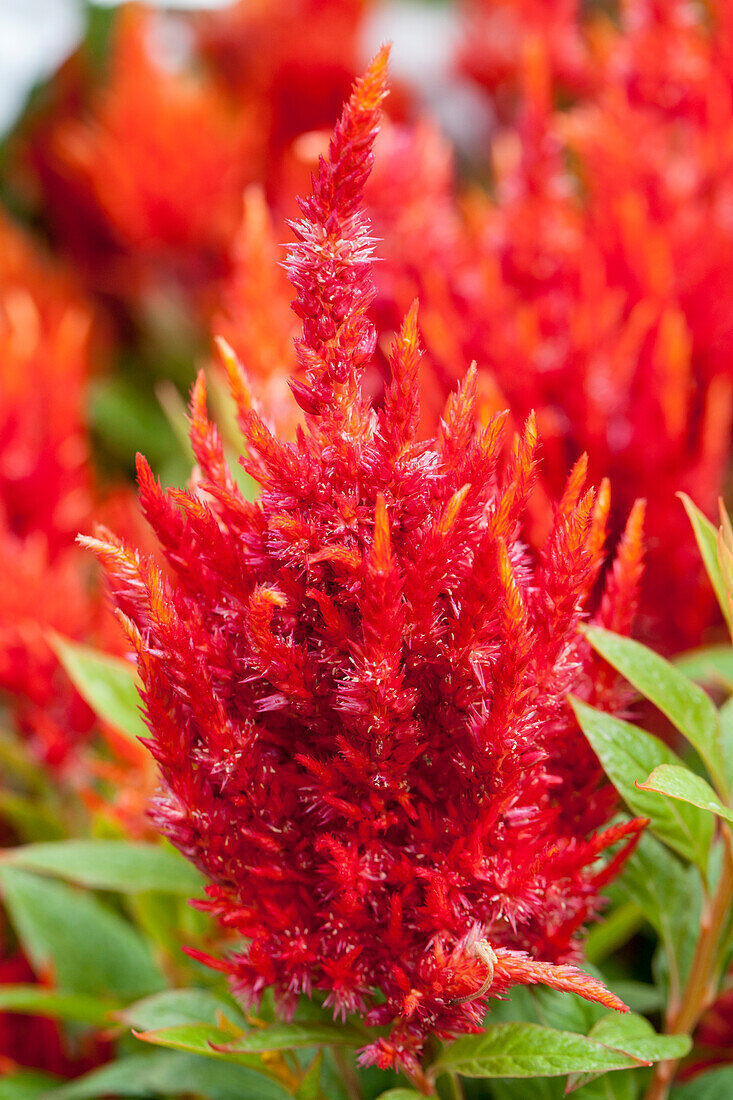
x=37, y=35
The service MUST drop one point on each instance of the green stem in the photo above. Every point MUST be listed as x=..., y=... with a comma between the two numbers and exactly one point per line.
x=702, y=984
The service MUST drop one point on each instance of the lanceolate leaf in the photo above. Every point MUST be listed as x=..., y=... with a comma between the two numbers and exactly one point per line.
x=26, y=1084
x=163, y=1073
x=726, y=735
x=107, y=684
x=713, y=665
x=636, y=1036
x=610, y=1086
x=528, y=1050
x=670, y=896
x=679, y=782
x=38, y=1000
x=716, y=1084
x=180, y=1006
x=400, y=1094
x=110, y=865
x=687, y=706
x=294, y=1036
x=68, y=933
x=706, y=535
x=628, y=755
x=207, y=1040
x=217, y=1043
x=613, y=930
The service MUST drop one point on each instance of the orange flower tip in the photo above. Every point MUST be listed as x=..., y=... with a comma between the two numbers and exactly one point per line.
x=408, y=330
x=382, y=549
x=376, y=74
x=603, y=501
x=257, y=215
x=235, y=374
x=453, y=508
x=271, y=596
x=228, y=357
x=96, y=543
x=226, y=352
x=142, y=467
x=198, y=389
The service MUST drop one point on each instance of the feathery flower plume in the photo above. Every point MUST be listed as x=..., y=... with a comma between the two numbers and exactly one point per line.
x=45, y=491
x=155, y=164
x=591, y=286
x=355, y=687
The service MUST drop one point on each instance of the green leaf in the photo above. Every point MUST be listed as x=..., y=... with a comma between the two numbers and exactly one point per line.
x=107, y=684
x=628, y=754
x=162, y=1073
x=110, y=865
x=206, y=1040
x=633, y=1035
x=711, y=665
x=296, y=1035
x=215, y=1042
x=400, y=1094
x=678, y=782
x=612, y=931
x=706, y=535
x=636, y=1036
x=717, y=1084
x=66, y=932
x=26, y=1084
x=639, y=996
x=670, y=896
x=529, y=1050
x=726, y=735
x=549, y=1007
x=621, y=1085
x=37, y=1000
x=536, y=1088
x=180, y=1006
x=688, y=707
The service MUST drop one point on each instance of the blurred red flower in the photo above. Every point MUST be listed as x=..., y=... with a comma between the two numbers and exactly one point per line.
x=591, y=285
x=45, y=490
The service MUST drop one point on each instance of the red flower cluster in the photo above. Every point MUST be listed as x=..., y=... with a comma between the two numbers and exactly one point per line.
x=151, y=172
x=45, y=494
x=141, y=175
x=592, y=286
x=356, y=686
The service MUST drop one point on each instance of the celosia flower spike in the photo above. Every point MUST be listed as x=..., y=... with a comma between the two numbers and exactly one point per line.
x=330, y=266
x=356, y=686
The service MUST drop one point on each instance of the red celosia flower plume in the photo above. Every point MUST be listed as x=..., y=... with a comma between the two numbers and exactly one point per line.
x=590, y=285
x=255, y=317
x=156, y=163
x=356, y=686
x=44, y=345
x=45, y=493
